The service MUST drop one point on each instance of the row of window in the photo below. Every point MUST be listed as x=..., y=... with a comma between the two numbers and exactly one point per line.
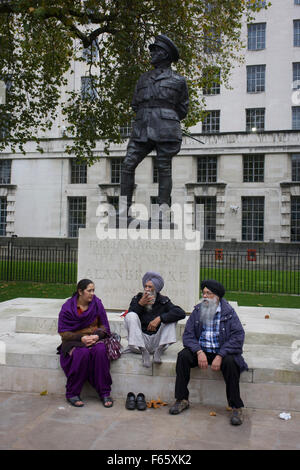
x=252, y=216
x=257, y=35
x=256, y=79
x=255, y=120
x=253, y=169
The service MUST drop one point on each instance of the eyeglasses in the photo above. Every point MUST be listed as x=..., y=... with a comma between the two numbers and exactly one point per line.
x=207, y=293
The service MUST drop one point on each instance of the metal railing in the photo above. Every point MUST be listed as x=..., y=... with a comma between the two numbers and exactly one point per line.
x=253, y=270
x=38, y=264
x=246, y=271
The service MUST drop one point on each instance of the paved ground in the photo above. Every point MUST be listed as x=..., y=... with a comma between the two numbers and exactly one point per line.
x=35, y=422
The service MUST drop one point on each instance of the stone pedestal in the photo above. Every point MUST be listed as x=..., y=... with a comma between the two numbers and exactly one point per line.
x=117, y=264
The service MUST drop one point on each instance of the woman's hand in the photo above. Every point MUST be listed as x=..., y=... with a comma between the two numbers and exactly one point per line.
x=89, y=340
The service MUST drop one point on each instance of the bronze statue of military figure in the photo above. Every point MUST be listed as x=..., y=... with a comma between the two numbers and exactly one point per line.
x=160, y=101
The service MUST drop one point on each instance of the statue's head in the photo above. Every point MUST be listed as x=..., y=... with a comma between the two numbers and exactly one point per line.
x=162, y=41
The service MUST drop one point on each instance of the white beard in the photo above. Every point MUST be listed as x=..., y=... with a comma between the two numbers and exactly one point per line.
x=148, y=307
x=208, y=310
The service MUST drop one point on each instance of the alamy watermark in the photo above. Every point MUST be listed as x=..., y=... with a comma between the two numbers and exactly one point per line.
x=295, y=357
x=178, y=222
x=2, y=353
x=2, y=92
x=296, y=92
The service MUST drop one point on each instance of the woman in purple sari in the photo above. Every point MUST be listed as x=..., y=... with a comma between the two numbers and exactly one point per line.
x=82, y=322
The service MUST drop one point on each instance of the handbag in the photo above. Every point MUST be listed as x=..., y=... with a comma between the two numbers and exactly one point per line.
x=113, y=346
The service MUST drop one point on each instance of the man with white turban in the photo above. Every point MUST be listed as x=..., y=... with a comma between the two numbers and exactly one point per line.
x=151, y=320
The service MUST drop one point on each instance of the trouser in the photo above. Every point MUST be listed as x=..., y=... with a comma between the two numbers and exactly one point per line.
x=187, y=359
x=84, y=364
x=136, y=152
x=165, y=335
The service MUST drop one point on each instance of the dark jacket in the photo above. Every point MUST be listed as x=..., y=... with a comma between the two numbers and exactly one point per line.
x=231, y=334
x=160, y=101
x=162, y=308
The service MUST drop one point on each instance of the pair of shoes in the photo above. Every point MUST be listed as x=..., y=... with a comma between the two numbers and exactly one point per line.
x=178, y=407
x=135, y=402
x=107, y=402
x=236, y=416
x=74, y=401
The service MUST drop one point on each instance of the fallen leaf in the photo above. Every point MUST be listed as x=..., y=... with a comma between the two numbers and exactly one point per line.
x=267, y=316
x=212, y=413
x=44, y=392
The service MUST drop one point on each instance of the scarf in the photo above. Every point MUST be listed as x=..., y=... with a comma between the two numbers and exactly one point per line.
x=69, y=320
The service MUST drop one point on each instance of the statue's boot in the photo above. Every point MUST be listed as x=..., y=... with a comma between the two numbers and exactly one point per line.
x=163, y=218
x=125, y=201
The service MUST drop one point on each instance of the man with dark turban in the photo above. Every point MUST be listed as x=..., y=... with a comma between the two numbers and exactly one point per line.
x=213, y=336
x=151, y=320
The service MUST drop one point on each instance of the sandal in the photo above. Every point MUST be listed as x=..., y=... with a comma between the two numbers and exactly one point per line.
x=107, y=402
x=74, y=400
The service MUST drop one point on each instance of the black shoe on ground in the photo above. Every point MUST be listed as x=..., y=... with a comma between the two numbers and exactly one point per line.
x=141, y=402
x=130, y=401
x=178, y=407
x=236, y=418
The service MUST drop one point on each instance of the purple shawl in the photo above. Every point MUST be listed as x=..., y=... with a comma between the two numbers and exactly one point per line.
x=69, y=320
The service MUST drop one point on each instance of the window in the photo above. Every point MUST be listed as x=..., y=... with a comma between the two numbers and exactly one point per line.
x=214, y=74
x=211, y=123
x=114, y=201
x=255, y=119
x=77, y=215
x=209, y=215
x=296, y=117
x=88, y=92
x=90, y=54
x=296, y=75
x=296, y=167
x=257, y=3
x=295, y=218
x=125, y=131
x=115, y=170
x=256, y=36
x=296, y=33
x=254, y=167
x=78, y=172
x=207, y=169
x=5, y=171
x=155, y=169
x=297, y=2
x=212, y=41
x=253, y=218
x=256, y=75
x=3, y=214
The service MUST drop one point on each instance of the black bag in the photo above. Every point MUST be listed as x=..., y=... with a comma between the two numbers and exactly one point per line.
x=113, y=346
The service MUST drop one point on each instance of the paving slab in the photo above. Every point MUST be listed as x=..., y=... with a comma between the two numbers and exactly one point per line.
x=34, y=422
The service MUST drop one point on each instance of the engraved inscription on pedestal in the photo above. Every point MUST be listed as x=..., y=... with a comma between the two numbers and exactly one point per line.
x=117, y=267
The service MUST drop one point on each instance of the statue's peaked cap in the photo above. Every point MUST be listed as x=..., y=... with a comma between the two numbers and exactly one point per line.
x=166, y=43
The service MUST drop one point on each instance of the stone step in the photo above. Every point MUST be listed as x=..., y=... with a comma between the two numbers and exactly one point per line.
x=29, y=363
x=272, y=380
x=261, y=326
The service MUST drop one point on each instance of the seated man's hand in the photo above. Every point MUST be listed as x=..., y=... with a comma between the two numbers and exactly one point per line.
x=216, y=363
x=202, y=360
x=146, y=299
x=153, y=325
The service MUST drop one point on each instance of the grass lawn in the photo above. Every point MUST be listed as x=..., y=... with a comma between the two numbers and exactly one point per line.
x=13, y=289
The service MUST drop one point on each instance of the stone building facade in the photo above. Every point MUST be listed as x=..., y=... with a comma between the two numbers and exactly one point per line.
x=246, y=174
